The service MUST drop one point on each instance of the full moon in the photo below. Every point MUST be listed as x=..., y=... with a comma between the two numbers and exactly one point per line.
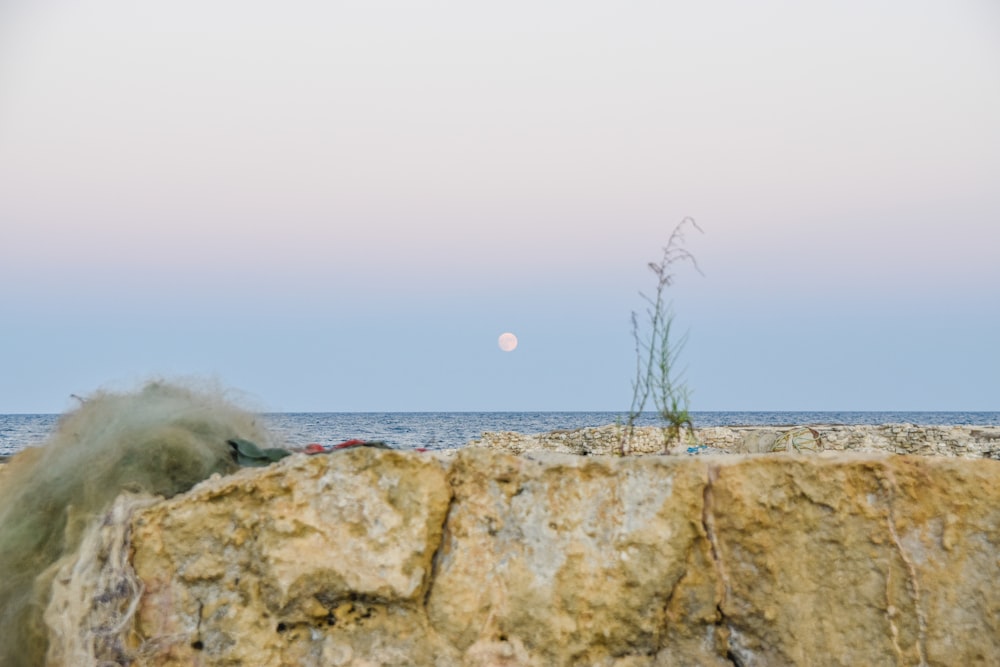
x=507, y=342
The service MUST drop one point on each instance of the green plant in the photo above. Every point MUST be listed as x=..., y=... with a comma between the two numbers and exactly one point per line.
x=657, y=350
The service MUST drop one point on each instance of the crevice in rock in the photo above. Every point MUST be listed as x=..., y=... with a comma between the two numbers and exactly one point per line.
x=722, y=590
x=197, y=630
x=888, y=482
x=347, y=610
x=438, y=549
x=708, y=518
x=890, y=612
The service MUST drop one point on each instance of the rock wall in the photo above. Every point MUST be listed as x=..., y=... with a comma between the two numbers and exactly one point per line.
x=371, y=557
x=962, y=441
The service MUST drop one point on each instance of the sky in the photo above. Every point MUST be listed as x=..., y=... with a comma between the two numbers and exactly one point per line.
x=339, y=206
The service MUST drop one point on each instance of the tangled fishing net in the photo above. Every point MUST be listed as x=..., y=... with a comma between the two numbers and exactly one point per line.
x=95, y=594
x=61, y=532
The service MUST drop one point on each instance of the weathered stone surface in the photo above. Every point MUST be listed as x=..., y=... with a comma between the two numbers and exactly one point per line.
x=386, y=558
x=300, y=564
x=960, y=441
x=853, y=560
x=575, y=560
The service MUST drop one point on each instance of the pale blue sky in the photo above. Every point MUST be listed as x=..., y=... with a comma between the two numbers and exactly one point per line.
x=341, y=205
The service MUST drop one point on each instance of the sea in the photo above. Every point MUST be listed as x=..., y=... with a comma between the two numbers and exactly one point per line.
x=445, y=430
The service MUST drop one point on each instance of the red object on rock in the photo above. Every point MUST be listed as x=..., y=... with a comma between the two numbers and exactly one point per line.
x=349, y=443
x=315, y=448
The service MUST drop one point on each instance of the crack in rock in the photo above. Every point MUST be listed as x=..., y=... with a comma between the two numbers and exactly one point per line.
x=888, y=483
x=438, y=550
x=722, y=589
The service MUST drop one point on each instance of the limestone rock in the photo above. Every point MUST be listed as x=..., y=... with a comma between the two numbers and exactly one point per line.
x=857, y=560
x=960, y=441
x=311, y=561
x=399, y=558
x=575, y=560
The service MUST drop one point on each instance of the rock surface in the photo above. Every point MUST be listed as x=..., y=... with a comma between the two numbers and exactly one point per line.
x=370, y=557
x=960, y=441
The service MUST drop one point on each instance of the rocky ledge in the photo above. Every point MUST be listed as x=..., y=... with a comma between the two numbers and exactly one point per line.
x=369, y=557
x=960, y=441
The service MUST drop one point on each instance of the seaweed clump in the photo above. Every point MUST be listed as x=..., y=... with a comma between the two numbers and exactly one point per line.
x=161, y=440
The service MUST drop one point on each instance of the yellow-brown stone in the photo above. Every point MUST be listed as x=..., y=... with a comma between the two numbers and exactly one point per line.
x=372, y=557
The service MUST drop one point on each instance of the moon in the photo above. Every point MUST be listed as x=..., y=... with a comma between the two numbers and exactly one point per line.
x=507, y=342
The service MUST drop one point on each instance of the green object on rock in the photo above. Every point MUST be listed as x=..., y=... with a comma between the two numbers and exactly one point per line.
x=246, y=453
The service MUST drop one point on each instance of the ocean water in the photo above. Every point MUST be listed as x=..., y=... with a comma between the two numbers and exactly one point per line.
x=442, y=430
